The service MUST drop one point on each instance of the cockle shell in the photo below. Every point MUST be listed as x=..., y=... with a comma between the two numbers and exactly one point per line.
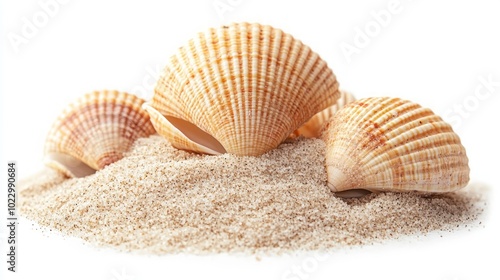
x=313, y=127
x=241, y=89
x=95, y=131
x=389, y=144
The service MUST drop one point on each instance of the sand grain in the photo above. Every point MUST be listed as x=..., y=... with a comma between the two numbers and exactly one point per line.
x=162, y=200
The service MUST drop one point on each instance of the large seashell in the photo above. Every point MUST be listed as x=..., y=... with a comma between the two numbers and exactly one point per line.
x=313, y=127
x=95, y=131
x=240, y=89
x=389, y=144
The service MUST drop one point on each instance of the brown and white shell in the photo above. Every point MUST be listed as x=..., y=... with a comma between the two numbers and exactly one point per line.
x=95, y=131
x=242, y=89
x=389, y=144
x=314, y=126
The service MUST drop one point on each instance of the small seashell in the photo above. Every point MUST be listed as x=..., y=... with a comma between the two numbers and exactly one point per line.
x=389, y=144
x=240, y=89
x=313, y=127
x=95, y=131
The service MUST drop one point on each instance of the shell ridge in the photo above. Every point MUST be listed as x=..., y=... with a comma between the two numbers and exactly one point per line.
x=377, y=110
x=432, y=141
x=221, y=86
x=405, y=130
x=395, y=115
x=233, y=101
x=321, y=83
x=414, y=156
x=414, y=174
x=299, y=81
x=235, y=74
x=330, y=87
x=314, y=127
x=264, y=50
x=95, y=130
x=199, y=83
x=421, y=154
x=421, y=117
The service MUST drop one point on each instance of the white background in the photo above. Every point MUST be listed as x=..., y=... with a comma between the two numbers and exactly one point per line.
x=433, y=53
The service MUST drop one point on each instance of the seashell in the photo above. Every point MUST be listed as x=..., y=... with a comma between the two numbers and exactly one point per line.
x=240, y=89
x=95, y=131
x=389, y=144
x=313, y=127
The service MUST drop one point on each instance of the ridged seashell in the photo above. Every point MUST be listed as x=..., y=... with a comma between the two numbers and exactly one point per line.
x=389, y=144
x=313, y=127
x=95, y=131
x=240, y=89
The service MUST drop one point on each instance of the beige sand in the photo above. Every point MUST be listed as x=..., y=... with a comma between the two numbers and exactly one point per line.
x=162, y=200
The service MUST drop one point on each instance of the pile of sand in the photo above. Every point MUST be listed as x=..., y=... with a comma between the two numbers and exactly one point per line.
x=161, y=200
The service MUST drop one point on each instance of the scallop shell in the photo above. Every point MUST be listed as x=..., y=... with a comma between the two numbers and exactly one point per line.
x=389, y=144
x=240, y=89
x=313, y=127
x=95, y=131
